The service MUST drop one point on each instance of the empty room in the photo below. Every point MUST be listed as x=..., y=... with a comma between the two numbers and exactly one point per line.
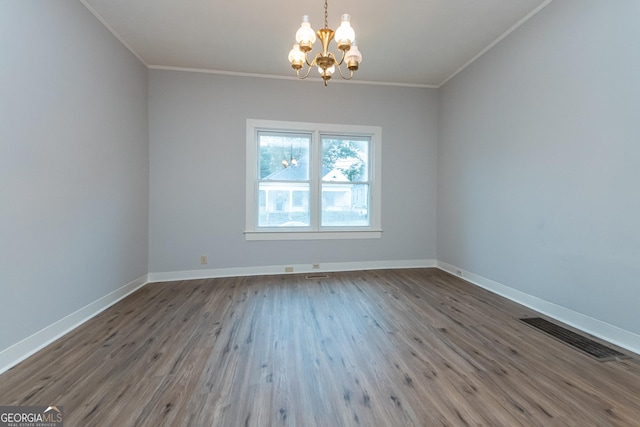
x=320, y=213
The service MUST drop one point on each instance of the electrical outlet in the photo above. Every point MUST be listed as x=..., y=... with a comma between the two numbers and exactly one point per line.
x=315, y=266
x=203, y=259
x=288, y=269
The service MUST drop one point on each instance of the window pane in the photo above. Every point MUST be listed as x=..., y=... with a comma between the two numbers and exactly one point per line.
x=286, y=204
x=262, y=199
x=345, y=204
x=284, y=156
x=345, y=158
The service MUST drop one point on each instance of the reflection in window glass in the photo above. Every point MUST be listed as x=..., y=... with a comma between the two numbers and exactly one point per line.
x=284, y=179
x=284, y=156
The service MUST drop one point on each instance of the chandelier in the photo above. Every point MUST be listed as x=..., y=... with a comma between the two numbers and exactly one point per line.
x=326, y=61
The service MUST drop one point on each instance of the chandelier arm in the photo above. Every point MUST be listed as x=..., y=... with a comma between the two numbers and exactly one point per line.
x=342, y=75
x=338, y=64
x=312, y=63
x=305, y=75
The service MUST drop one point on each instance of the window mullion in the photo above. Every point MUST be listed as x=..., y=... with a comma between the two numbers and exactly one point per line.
x=316, y=177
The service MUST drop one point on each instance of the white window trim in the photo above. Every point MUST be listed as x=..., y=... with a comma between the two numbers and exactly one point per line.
x=373, y=231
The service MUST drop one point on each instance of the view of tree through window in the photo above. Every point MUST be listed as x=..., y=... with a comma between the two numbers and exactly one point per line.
x=347, y=155
x=345, y=181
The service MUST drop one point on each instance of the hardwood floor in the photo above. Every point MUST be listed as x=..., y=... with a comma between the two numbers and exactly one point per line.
x=414, y=347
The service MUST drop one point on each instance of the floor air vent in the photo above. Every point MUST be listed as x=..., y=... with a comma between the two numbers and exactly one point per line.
x=589, y=346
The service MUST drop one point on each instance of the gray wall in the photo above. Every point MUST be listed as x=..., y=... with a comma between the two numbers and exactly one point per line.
x=197, y=132
x=538, y=158
x=73, y=164
x=534, y=150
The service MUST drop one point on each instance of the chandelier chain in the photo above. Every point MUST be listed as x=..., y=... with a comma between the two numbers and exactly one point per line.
x=326, y=15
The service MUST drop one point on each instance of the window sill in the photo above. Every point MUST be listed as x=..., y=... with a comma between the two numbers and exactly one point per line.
x=312, y=235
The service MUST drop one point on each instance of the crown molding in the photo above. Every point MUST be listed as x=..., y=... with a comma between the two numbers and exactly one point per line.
x=293, y=78
x=115, y=34
x=496, y=41
x=316, y=79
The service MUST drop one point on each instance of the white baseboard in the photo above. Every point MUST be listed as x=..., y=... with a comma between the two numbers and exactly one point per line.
x=297, y=268
x=597, y=328
x=15, y=354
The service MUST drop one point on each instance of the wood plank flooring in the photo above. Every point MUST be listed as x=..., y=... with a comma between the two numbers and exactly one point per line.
x=414, y=347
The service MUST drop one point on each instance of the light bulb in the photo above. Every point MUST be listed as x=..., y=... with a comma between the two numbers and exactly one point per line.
x=345, y=35
x=305, y=36
x=296, y=57
x=329, y=71
x=353, y=58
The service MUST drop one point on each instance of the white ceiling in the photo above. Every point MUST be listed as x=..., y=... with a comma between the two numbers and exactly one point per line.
x=410, y=42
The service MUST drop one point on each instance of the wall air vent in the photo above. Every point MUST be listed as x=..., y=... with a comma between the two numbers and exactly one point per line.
x=316, y=276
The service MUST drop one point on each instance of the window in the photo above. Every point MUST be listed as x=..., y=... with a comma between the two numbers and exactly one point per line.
x=312, y=181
